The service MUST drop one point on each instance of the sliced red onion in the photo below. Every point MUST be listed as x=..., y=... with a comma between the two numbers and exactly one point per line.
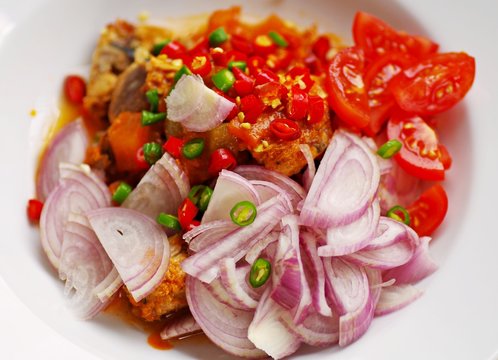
x=385, y=165
x=310, y=171
x=230, y=189
x=232, y=283
x=78, y=192
x=180, y=326
x=316, y=275
x=83, y=265
x=375, y=283
x=389, y=231
x=346, y=239
x=137, y=246
x=69, y=146
x=209, y=233
x=109, y=286
x=266, y=190
x=316, y=329
x=258, y=248
x=162, y=189
x=344, y=185
x=196, y=106
x=398, y=188
x=255, y=172
x=393, y=298
x=419, y=267
x=204, y=265
x=227, y=327
x=268, y=331
x=290, y=286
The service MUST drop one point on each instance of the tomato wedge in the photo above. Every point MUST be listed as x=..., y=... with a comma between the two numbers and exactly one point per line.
x=344, y=82
x=377, y=38
x=435, y=84
x=419, y=155
x=378, y=76
x=429, y=210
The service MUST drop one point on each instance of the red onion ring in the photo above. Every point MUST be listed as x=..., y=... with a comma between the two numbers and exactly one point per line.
x=180, y=326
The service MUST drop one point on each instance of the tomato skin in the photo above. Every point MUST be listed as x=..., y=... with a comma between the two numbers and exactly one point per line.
x=378, y=76
x=435, y=84
x=75, y=89
x=34, y=210
x=187, y=211
x=419, y=155
x=347, y=93
x=377, y=38
x=429, y=210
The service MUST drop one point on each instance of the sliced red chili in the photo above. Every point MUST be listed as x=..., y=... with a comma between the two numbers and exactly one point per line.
x=201, y=48
x=221, y=159
x=187, y=212
x=142, y=164
x=219, y=56
x=297, y=107
x=241, y=44
x=74, y=89
x=235, y=109
x=244, y=85
x=321, y=47
x=285, y=129
x=301, y=75
x=173, y=146
x=264, y=45
x=201, y=65
x=252, y=107
x=316, y=108
x=264, y=76
x=174, y=50
x=34, y=210
x=234, y=55
x=255, y=64
x=271, y=93
x=280, y=60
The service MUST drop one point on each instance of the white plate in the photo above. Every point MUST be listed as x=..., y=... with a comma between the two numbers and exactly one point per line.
x=456, y=319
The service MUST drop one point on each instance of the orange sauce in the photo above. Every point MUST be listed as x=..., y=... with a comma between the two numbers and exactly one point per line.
x=156, y=342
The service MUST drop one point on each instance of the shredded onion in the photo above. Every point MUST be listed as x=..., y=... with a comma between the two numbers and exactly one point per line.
x=180, y=326
x=393, y=298
x=310, y=171
x=137, y=246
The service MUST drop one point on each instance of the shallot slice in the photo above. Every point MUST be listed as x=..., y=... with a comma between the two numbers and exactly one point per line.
x=393, y=298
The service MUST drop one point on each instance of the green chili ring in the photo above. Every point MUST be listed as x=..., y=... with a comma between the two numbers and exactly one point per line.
x=389, y=149
x=243, y=213
x=392, y=213
x=260, y=272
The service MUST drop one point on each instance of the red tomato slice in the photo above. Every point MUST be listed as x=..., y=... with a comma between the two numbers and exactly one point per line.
x=344, y=82
x=435, y=84
x=378, y=75
x=419, y=155
x=429, y=210
x=377, y=38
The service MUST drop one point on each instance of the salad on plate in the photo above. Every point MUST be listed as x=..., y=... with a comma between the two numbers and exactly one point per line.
x=266, y=185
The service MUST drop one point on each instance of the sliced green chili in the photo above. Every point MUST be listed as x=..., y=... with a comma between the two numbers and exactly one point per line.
x=153, y=99
x=200, y=196
x=394, y=212
x=389, y=149
x=193, y=148
x=152, y=152
x=121, y=193
x=223, y=79
x=218, y=37
x=156, y=49
x=149, y=118
x=243, y=213
x=169, y=221
x=242, y=65
x=260, y=272
x=184, y=70
x=278, y=39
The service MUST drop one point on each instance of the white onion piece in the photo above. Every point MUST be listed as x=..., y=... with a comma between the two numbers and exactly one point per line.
x=227, y=327
x=419, y=267
x=137, y=246
x=344, y=185
x=229, y=279
x=290, y=286
x=230, y=189
x=393, y=298
x=78, y=192
x=316, y=277
x=310, y=171
x=346, y=239
x=258, y=248
x=294, y=191
x=268, y=332
x=162, y=189
x=196, y=106
x=69, y=146
x=204, y=264
x=208, y=234
x=180, y=326
x=83, y=265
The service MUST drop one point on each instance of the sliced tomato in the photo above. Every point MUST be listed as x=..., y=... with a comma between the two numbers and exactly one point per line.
x=435, y=84
x=377, y=38
x=419, y=156
x=429, y=210
x=347, y=94
x=378, y=75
